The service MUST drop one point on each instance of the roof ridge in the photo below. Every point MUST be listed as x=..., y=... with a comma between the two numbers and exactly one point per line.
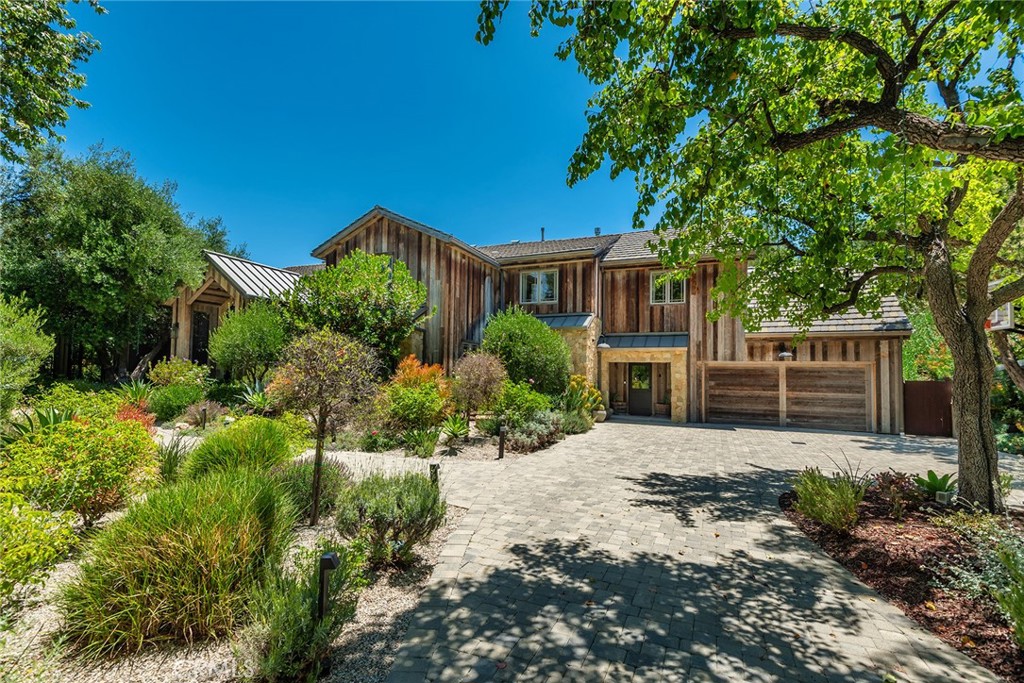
x=246, y=260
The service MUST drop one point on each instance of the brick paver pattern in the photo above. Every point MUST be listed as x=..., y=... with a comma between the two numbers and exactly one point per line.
x=641, y=552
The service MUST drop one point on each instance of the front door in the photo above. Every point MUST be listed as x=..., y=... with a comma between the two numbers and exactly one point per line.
x=200, y=337
x=640, y=389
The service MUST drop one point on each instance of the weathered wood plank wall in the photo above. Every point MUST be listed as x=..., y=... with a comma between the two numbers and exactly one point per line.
x=627, y=307
x=576, y=290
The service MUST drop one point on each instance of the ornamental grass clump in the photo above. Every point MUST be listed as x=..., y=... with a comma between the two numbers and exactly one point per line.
x=252, y=443
x=831, y=501
x=178, y=567
x=296, y=480
x=391, y=516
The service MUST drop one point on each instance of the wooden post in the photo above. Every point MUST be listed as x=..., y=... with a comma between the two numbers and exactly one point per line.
x=782, y=394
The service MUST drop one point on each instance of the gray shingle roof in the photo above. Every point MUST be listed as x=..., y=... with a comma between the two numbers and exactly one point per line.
x=306, y=269
x=646, y=341
x=250, y=278
x=890, y=318
x=632, y=246
x=516, y=250
x=559, y=321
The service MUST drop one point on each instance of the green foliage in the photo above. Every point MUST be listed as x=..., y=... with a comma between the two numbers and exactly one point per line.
x=581, y=397
x=226, y=393
x=575, y=422
x=925, y=354
x=193, y=415
x=1005, y=484
x=371, y=298
x=284, y=643
x=66, y=398
x=87, y=467
x=176, y=371
x=257, y=443
x=98, y=247
x=900, y=491
x=296, y=479
x=31, y=541
x=249, y=341
x=23, y=349
x=477, y=380
x=540, y=430
x=36, y=421
x=455, y=428
x=832, y=501
x=515, y=405
x=933, y=483
x=298, y=430
x=1008, y=414
x=1011, y=596
x=421, y=442
x=390, y=516
x=136, y=393
x=39, y=84
x=530, y=350
x=254, y=396
x=377, y=441
x=168, y=402
x=178, y=567
x=419, y=407
x=171, y=456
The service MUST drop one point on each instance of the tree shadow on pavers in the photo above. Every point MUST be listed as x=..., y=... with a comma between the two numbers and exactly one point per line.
x=732, y=497
x=565, y=607
x=944, y=450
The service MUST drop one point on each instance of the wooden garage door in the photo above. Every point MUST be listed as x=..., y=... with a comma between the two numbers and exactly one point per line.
x=816, y=395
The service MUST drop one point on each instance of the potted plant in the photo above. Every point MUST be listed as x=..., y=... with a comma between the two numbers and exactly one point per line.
x=618, y=405
x=942, y=489
x=665, y=407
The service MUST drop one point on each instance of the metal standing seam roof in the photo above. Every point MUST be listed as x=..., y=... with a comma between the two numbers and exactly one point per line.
x=516, y=250
x=561, y=321
x=646, y=341
x=889, y=319
x=252, y=279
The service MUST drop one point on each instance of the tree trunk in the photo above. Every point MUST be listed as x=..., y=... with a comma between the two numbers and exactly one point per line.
x=318, y=465
x=1009, y=360
x=140, y=368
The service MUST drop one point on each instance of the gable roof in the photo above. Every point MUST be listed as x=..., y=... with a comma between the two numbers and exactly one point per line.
x=632, y=246
x=890, y=319
x=252, y=279
x=380, y=211
x=590, y=246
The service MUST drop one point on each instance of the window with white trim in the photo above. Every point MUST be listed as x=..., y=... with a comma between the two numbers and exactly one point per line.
x=666, y=289
x=538, y=287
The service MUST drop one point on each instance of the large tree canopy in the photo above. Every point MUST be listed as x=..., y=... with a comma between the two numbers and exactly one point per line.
x=857, y=148
x=39, y=57
x=96, y=246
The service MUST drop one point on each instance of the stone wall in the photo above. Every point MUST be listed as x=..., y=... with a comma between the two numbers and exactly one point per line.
x=583, y=349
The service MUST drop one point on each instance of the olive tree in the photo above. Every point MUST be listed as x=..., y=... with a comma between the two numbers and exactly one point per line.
x=249, y=341
x=858, y=148
x=326, y=376
x=23, y=349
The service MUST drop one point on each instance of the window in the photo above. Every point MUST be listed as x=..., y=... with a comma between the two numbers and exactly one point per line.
x=538, y=287
x=666, y=289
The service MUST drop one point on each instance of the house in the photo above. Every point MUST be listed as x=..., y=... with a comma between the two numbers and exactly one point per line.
x=645, y=340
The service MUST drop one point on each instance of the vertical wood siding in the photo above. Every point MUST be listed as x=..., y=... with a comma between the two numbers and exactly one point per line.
x=627, y=307
x=577, y=292
x=723, y=339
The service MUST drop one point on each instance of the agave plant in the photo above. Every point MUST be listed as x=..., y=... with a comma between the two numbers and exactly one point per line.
x=935, y=484
x=136, y=392
x=454, y=428
x=36, y=421
x=255, y=397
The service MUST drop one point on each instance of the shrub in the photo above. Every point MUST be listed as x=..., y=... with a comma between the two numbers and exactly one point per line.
x=390, y=516
x=174, y=371
x=574, y=422
x=413, y=373
x=581, y=396
x=31, y=541
x=478, y=379
x=171, y=456
x=226, y=393
x=179, y=566
x=23, y=349
x=130, y=412
x=65, y=397
x=421, y=442
x=37, y=420
x=168, y=402
x=414, y=407
x=256, y=398
x=285, y=642
x=89, y=467
x=193, y=415
x=455, y=428
x=515, y=405
x=832, y=501
x=296, y=479
x=1011, y=596
x=377, y=441
x=249, y=341
x=253, y=443
x=530, y=350
x=136, y=393
x=539, y=431
x=900, y=491
x=984, y=575
x=298, y=430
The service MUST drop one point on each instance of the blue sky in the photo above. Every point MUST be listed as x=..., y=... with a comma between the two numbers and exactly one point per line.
x=289, y=120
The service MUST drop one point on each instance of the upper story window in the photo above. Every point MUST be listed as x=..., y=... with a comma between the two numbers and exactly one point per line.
x=666, y=289
x=538, y=287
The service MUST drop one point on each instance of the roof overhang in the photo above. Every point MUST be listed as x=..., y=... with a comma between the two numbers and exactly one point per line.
x=551, y=257
x=654, y=340
x=829, y=333
x=566, y=321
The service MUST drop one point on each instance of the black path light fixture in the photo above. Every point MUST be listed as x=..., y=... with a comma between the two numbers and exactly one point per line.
x=502, y=431
x=328, y=563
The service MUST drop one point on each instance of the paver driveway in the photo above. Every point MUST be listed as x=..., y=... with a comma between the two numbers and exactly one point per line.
x=643, y=552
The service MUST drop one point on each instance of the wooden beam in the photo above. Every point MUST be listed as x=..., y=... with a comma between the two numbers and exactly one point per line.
x=782, y=394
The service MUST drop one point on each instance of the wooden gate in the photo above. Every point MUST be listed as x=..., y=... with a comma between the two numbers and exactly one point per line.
x=928, y=409
x=811, y=394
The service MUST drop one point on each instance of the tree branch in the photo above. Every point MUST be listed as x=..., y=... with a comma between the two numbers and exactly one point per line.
x=910, y=62
x=1006, y=294
x=1009, y=359
x=857, y=285
x=979, y=268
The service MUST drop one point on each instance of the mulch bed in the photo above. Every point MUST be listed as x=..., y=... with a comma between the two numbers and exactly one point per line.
x=895, y=557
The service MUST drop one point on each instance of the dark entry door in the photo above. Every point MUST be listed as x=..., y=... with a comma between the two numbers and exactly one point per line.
x=200, y=337
x=927, y=408
x=640, y=389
